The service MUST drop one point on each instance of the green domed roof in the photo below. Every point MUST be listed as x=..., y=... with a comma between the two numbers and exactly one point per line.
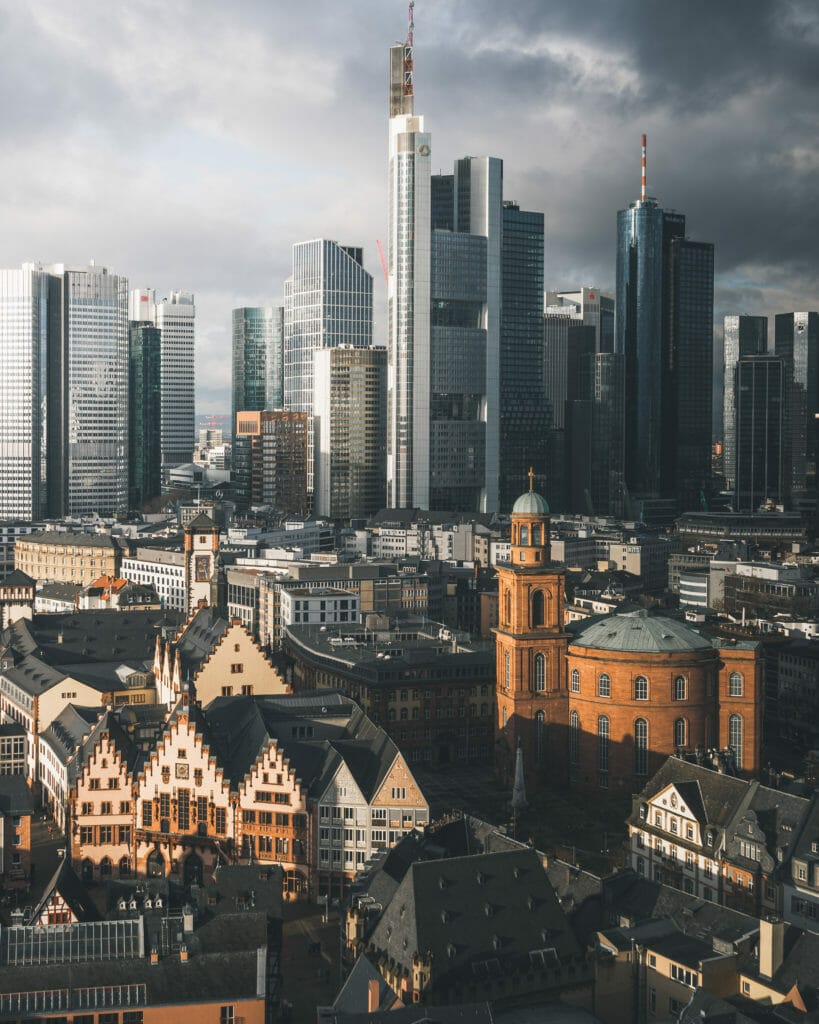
x=642, y=633
x=531, y=503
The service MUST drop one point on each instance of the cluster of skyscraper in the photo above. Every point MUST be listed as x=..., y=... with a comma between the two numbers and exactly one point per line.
x=90, y=404
x=608, y=397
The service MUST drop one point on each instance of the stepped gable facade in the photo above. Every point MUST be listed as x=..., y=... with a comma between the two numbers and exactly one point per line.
x=213, y=657
x=308, y=783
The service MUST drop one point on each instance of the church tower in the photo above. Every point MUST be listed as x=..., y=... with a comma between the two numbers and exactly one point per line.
x=530, y=646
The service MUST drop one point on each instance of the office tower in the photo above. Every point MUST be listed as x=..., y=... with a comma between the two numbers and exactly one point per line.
x=594, y=435
x=663, y=294
x=525, y=416
x=565, y=342
x=270, y=449
x=23, y=392
x=350, y=424
x=687, y=415
x=88, y=472
x=761, y=438
x=591, y=307
x=464, y=349
x=175, y=316
x=258, y=358
x=742, y=336
x=144, y=412
x=796, y=340
x=328, y=301
x=409, y=243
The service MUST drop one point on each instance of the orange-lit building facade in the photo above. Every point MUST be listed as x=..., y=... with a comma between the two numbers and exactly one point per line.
x=602, y=708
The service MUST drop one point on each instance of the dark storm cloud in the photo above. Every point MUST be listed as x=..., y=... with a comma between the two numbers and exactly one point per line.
x=190, y=144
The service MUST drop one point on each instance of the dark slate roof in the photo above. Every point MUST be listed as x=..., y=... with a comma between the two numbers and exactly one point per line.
x=108, y=723
x=15, y=796
x=773, y=819
x=800, y=966
x=239, y=731
x=17, y=578
x=100, y=635
x=56, y=537
x=202, y=522
x=712, y=794
x=465, y=910
x=201, y=636
x=461, y=1013
x=33, y=675
x=353, y=995
x=67, y=592
x=65, y=883
x=67, y=730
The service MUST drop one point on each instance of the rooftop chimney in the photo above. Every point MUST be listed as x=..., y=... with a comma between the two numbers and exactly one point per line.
x=372, y=995
x=771, y=946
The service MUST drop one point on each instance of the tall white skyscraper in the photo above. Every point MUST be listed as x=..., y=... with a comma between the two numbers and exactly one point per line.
x=409, y=232
x=175, y=317
x=444, y=264
x=328, y=301
x=23, y=392
x=63, y=391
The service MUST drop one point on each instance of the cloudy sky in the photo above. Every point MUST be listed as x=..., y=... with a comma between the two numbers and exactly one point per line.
x=189, y=143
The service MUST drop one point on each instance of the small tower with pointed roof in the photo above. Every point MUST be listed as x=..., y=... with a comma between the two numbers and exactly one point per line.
x=531, y=644
x=201, y=547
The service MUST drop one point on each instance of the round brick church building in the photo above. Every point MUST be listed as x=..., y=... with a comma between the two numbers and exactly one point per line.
x=643, y=686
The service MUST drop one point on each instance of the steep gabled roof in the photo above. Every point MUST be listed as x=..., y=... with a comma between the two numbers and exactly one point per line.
x=65, y=883
x=715, y=796
x=108, y=723
x=467, y=911
x=17, y=578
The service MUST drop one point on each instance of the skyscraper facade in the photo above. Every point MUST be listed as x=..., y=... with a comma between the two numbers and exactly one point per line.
x=525, y=416
x=796, y=340
x=175, y=316
x=350, y=422
x=761, y=426
x=328, y=301
x=409, y=243
x=742, y=336
x=689, y=380
x=664, y=294
x=271, y=460
x=23, y=392
x=144, y=412
x=589, y=305
x=93, y=367
x=258, y=359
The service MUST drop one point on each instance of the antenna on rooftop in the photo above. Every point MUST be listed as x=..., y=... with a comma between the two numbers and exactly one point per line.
x=643, y=180
x=408, y=43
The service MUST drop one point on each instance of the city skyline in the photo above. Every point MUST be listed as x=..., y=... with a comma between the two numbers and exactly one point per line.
x=229, y=177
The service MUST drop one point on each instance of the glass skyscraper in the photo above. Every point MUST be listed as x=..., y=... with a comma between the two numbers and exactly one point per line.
x=742, y=336
x=761, y=397
x=328, y=301
x=175, y=316
x=23, y=392
x=144, y=409
x=663, y=329
x=525, y=415
x=796, y=340
x=258, y=359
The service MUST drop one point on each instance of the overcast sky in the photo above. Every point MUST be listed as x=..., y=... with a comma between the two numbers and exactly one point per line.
x=189, y=143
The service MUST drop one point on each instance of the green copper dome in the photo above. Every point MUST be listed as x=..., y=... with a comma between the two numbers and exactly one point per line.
x=530, y=503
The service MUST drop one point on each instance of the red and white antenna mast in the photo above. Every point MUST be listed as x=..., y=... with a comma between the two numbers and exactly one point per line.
x=408, y=50
x=643, y=181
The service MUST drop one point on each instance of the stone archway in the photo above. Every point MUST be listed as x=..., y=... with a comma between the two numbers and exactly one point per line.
x=155, y=867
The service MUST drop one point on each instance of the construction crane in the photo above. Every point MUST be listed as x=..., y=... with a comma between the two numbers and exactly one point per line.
x=383, y=259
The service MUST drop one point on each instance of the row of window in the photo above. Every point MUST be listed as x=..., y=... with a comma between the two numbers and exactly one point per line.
x=679, y=687
x=681, y=739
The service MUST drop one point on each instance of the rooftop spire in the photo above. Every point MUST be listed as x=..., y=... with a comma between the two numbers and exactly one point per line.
x=408, y=44
x=643, y=181
x=531, y=475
